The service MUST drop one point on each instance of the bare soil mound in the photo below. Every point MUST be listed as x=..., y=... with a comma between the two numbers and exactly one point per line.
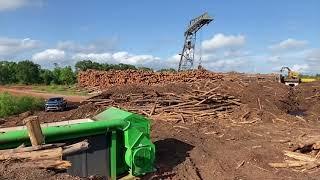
x=308, y=96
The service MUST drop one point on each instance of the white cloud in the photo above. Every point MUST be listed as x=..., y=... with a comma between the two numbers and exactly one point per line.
x=101, y=58
x=6, y=5
x=98, y=46
x=140, y=59
x=11, y=4
x=304, y=61
x=118, y=57
x=313, y=55
x=273, y=59
x=226, y=65
x=49, y=56
x=170, y=62
x=223, y=41
x=289, y=44
x=175, y=58
x=300, y=68
x=67, y=45
x=10, y=46
x=72, y=46
x=235, y=53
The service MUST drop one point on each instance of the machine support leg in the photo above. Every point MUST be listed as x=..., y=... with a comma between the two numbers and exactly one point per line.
x=113, y=152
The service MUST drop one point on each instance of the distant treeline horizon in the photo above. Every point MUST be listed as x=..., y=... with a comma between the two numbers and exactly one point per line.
x=27, y=72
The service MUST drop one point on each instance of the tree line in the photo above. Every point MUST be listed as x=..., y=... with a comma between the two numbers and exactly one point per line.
x=28, y=72
x=87, y=64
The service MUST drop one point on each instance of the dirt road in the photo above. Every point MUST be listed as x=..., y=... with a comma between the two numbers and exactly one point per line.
x=22, y=91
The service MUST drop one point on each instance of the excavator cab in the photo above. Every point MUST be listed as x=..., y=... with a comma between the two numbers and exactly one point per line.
x=289, y=77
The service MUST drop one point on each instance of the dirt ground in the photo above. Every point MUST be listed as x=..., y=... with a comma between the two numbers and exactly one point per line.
x=239, y=144
x=219, y=151
x=27, y=91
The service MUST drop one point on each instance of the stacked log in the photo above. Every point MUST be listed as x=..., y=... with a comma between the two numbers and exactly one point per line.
x=103, y=79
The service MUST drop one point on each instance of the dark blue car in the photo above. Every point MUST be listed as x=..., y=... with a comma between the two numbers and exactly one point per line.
x=56, y=104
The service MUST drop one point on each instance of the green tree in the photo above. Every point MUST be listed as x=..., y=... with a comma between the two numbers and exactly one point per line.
x=7, y=72
x=126, y=66
x=27, y=72
x=67, y=76
x=56, y=72
x=46, y=76
x=87, y=64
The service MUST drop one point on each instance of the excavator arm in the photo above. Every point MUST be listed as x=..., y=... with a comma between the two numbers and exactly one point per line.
x=285, y=68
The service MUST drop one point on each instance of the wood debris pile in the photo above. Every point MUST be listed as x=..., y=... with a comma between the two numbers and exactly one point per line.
x=301, y=161
x=194, y=105
x=93, y=79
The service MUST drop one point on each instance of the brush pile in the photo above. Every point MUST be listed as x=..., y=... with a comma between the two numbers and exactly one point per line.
x=195, y=104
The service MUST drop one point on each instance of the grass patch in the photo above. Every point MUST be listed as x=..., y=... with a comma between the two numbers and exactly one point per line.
x=60, y=89
x=12, y=105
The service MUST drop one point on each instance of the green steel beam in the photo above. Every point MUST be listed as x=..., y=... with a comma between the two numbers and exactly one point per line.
x=13, y=139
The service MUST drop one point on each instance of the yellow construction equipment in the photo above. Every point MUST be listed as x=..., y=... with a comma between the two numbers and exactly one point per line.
x=291, y=78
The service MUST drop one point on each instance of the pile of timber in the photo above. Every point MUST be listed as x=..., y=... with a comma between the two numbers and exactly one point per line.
x=195, y=105
x=93, y=79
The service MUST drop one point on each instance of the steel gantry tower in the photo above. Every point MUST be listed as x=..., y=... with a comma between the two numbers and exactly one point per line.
x=188, y=50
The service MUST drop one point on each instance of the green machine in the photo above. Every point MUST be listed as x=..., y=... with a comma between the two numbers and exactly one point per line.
x=126, y=135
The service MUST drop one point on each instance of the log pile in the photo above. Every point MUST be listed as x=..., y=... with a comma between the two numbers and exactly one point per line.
x=93, y=79
x=195, y=105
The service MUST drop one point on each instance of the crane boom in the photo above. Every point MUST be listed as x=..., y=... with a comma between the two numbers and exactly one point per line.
x=197, y=23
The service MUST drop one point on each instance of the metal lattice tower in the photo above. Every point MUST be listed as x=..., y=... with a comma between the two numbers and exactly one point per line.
x=187, y=55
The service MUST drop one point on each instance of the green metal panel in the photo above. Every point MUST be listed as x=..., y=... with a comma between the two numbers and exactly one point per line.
x=112, y=114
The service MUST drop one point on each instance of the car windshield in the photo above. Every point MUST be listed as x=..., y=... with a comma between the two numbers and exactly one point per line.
x=55, y=99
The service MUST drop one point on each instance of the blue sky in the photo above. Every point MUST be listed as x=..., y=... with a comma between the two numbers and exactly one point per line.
x=246, y=35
